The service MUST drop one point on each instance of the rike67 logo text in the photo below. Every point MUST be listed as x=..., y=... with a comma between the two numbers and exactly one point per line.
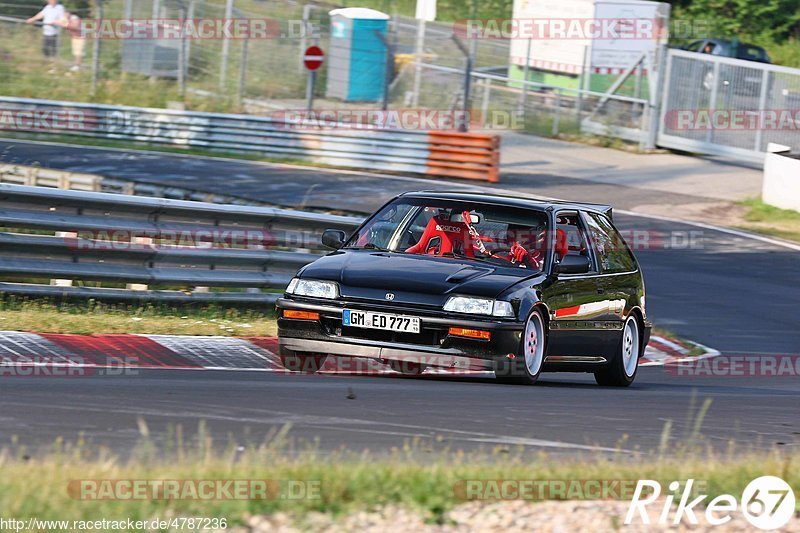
x=767, y=503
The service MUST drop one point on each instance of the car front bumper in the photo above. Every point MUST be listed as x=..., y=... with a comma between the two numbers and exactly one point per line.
x=432, y=347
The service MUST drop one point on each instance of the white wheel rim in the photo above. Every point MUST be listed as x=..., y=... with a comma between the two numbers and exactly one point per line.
x=534, y=344
x=630, y=347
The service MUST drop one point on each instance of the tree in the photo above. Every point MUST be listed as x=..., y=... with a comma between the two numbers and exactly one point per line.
x=772, y=20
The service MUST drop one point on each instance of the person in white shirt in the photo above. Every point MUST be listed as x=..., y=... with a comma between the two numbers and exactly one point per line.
x=50, y=16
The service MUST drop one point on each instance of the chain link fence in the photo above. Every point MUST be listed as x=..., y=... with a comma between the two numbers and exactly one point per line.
x=727, y=106
x=263, y=74
x=214, y=74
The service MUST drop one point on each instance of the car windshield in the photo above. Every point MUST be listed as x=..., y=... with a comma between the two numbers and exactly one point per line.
x=504, y=236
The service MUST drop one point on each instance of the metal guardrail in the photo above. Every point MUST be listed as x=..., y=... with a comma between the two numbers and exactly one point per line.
x=65, y=179
x=183, y=246
x=431, y=153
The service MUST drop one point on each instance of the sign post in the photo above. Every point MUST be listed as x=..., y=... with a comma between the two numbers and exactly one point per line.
x=312, y=59
x=426, y=11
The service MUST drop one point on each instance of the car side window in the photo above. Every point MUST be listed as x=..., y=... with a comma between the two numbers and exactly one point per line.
x=571, y=236
x=695, y=46
x=610, y=248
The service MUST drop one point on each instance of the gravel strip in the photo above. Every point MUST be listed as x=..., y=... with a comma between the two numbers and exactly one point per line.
x=506, y=516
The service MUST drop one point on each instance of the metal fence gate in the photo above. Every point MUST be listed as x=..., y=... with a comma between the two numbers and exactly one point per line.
x=729, y=107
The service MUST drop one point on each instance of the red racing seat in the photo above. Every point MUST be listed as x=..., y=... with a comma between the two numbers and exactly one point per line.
x=442, y=236
x=562, y=246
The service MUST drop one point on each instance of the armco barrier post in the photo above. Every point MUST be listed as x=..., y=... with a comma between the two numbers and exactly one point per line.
x=464, y=126
x=226, y=48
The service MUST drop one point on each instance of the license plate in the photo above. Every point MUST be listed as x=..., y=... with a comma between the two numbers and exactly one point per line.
x=370, y=320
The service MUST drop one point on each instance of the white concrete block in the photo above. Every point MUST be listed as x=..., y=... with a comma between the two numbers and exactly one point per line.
x=782, y=181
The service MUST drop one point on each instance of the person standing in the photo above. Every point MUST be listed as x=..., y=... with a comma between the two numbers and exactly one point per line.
x=50, y=16
x=72, y=23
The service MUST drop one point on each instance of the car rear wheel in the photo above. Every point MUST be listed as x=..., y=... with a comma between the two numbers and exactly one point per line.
x=304, y=363
x=621, y=371
x=525, y=370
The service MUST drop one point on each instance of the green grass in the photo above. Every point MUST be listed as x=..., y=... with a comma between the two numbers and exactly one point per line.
x=694, y=350
x=25, y=73
x=416, y=476
x=769, y=220
x=86, y=318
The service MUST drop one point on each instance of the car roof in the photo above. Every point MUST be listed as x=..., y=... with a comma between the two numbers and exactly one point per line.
x=521, y=200
x=726, y=42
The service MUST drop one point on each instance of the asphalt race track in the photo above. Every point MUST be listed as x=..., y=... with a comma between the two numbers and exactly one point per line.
x=733, y=293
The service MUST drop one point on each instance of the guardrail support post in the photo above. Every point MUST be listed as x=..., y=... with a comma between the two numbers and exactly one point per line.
x=658, y=95
x=418, y=52
x=96, y=49
x=243, y=69
x=226, y=48
x=464, y=126
x=307, y=29
x=523, y=96
x=182, y=51
x=139, y=286
x=63, y=282
x=487, y=89
x=387, y=74
x=557, y=118
x=762, y=103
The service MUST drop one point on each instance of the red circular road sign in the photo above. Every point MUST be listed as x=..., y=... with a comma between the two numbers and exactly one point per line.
x=313, y=57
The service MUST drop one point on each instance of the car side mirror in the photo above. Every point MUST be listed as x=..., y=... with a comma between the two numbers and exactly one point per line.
x=573, y=264
x=333, y=238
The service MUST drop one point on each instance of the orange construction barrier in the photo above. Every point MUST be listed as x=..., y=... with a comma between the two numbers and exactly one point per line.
x=464, y=155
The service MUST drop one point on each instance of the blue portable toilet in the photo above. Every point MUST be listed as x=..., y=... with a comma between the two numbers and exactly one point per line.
x=357, y=56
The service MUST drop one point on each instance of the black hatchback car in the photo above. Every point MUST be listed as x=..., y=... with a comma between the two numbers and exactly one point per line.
x=473, y=282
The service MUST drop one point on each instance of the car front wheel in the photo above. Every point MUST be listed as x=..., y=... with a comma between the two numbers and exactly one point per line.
x=621, y=371
x=525, y=370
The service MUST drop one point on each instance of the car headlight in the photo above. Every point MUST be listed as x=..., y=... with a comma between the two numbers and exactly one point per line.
x=313, y=288
x=478, y=306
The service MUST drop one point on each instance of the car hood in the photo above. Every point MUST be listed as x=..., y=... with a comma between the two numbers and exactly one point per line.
x=417, y=279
